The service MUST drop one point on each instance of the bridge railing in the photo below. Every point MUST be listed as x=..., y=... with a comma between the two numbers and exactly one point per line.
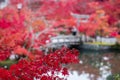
x=65, y=39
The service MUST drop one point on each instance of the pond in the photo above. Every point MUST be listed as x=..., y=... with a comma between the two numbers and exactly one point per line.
x=95, y=65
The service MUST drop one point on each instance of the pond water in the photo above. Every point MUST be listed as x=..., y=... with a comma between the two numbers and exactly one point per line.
x=95, y=65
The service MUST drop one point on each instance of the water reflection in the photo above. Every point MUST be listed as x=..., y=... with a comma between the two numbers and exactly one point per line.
x=97, y=65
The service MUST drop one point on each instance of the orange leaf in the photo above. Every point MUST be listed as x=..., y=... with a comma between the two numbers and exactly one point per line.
x=31, y=56
x=19, y=50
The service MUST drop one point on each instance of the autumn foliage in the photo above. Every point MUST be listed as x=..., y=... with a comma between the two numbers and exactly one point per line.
x=25, y=31
x=44, y=67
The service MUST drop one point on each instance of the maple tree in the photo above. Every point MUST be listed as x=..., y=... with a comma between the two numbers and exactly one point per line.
x=22, y=34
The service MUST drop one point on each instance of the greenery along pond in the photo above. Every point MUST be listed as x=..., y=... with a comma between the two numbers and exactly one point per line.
x=96, y=65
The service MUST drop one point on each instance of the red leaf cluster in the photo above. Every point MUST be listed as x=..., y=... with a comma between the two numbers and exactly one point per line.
x=4, y=55
x=44, y=68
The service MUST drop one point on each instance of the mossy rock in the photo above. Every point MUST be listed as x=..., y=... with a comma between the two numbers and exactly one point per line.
x=7, y=63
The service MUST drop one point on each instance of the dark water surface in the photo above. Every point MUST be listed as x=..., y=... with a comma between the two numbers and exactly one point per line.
x=95, y=65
